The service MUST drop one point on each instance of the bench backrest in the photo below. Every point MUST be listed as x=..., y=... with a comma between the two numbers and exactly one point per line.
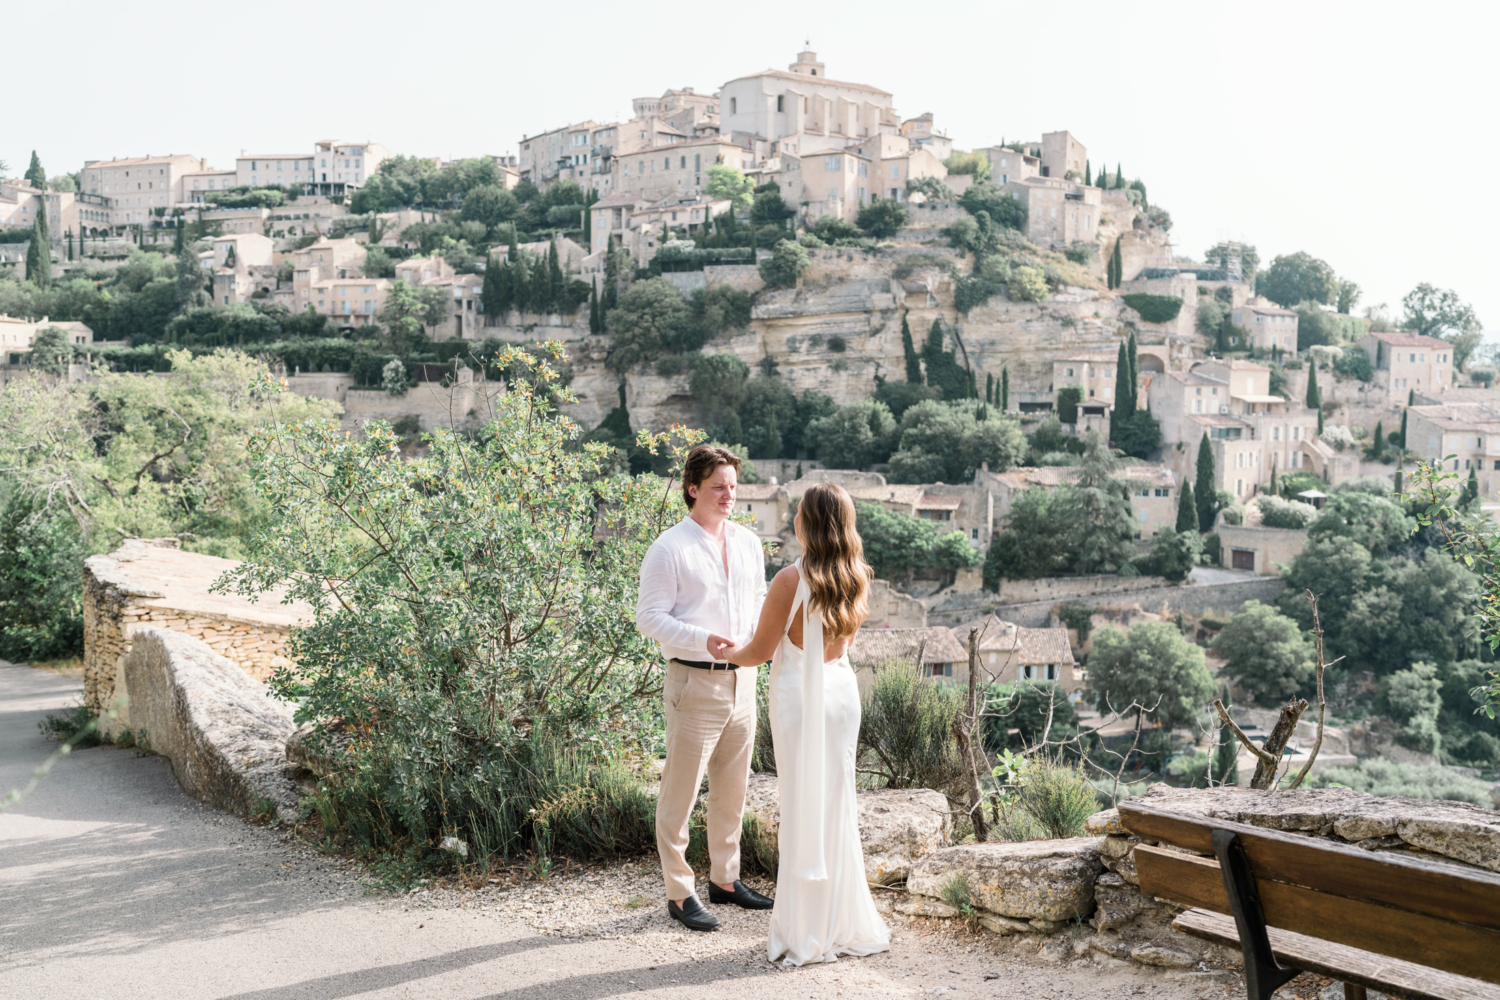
x=1437, y=915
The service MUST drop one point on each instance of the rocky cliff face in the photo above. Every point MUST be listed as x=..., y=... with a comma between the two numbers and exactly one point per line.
x=842, y=327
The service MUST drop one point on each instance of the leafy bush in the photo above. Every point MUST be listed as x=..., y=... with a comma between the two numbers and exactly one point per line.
x=1414, y=697
x=881, y=218
x=41, y=560
x=74, y=725
x=1024, y=707
x=930, y=188
x=1027, y=284
x=1278, y=513
x=1153, y=666
x=787, y=262
x=394, y=378
x=1338, y=435
x=1081, y=253
x=492, y=666
x=1388, y=779
x=1174, y=553
x=246, y=197
x=1354, y=363
x=1154, y=308
x=906, y=731
x=997, y=204
x=1068, y=398
x=1057, y=794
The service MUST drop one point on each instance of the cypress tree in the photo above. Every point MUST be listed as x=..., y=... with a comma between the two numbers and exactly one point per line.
x=35, y=175
x=555, y=281
x=1115, y=268
x=1471, y=489
x=612, y=278
x=1005, y=390
x=1118, y=412
x=1135, y=374
x=70, y=243
x=521, y=290
x=1379, y=447
x=973, y=383
x=1206, y=490
x=1088, y=174
x=1119, y=175
x=1225, y=766
x=1187, y=508
x=1320, y=423
x=913, y=364
x=1411, y=397
x=989, y=388
x=1314, y=397
x=1402, y=440
x=594, y=309
x=515, y=250
x=588, y=219
x=39, y=254
x=177, y=246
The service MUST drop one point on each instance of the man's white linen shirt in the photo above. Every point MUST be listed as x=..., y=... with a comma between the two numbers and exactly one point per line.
x=685, y=595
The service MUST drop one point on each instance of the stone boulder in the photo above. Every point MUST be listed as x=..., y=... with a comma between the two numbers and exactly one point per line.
x=1454, y=830
x=223, y=733
x=1040, y=881
x=896, y=826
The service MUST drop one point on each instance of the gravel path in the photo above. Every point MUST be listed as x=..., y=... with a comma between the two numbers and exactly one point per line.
x=114, y=883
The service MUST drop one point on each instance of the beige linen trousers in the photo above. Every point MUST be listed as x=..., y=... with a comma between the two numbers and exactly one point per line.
x=710, y=727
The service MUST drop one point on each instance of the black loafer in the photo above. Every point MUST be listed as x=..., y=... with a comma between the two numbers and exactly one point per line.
x=692, y=915
x=747, y=898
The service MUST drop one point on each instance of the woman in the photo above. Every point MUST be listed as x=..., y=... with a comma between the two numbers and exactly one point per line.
x=823, y=904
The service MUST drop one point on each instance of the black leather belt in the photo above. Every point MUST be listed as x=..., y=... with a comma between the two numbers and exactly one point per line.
x=704, y=664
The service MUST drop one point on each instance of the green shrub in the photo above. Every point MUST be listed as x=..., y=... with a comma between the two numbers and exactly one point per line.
x=1068, y=398
x=1154, y=308
x=1024, y=707
x=787, y=262
x=1354, y=363
x=763, y=755
x=73, y=725
x=958, y=893
x=1081, y=253
x=1057, y=794
x=1027, y=284
x=493, y=667
x=1278, y=513
x=906, y=732
x=1388, y=779
x=41, y=561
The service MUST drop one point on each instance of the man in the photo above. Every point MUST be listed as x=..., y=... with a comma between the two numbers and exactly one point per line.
x=702, y=584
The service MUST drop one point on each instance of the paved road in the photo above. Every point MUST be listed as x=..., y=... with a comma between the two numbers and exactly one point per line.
x=115, y=884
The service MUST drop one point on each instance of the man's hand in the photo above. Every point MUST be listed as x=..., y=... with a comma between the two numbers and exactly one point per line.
x=718, y=647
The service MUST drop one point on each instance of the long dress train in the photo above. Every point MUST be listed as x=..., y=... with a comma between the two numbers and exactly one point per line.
x=823, y=904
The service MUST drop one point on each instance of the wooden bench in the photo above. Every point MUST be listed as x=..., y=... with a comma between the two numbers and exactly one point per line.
x=1291, y=904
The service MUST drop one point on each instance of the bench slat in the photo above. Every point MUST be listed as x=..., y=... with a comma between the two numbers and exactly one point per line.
x=1351, y=965
x=1372, y=927
x=1447, y=892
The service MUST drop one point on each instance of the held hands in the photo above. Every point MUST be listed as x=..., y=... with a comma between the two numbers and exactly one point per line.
x=719, y=647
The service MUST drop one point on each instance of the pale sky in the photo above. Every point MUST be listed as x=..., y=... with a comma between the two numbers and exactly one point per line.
x=1363, y=133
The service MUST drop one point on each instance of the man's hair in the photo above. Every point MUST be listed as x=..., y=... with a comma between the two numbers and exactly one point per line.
x=701, y=463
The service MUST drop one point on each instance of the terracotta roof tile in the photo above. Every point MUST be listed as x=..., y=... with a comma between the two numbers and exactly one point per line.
x=875, y=647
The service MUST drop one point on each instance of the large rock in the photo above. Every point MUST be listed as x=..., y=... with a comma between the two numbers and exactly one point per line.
x=1046, y=880
x=896, y=826
x=1454, y=830
x=223, y=733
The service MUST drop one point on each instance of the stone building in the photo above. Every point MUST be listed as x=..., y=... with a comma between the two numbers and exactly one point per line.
x=1407, y=362
x=969, y=509
x=1470, y=432
x=769, y=503
x=1153, y=491
x=16, y=336
x=286, y=169
x=678, y=168
x=1058, y=212
x=134, y=187
x=1263, y=551
x=1266, y=326
x=1063, y=156
x=876, y=649
x=241, y=268
x=1010, y=653
x=1008, y=165
x=802, y=99
x=1249, y=429
x=339, y=167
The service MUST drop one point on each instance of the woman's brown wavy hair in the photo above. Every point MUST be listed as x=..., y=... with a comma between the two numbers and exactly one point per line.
x=833, y=559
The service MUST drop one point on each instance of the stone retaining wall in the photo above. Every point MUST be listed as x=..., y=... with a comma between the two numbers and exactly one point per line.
x=1219, y=599
x=151, y=583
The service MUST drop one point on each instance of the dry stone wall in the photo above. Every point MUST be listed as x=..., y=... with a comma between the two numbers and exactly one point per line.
x=151, y=583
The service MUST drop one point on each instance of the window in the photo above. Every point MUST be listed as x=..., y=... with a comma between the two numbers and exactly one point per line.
x=864, y=169
x=831, y=164
x=779, y=100
x=895, y=171
x=1067, y=373
x=974, y=533
x=941, y=669
x=734, y=105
